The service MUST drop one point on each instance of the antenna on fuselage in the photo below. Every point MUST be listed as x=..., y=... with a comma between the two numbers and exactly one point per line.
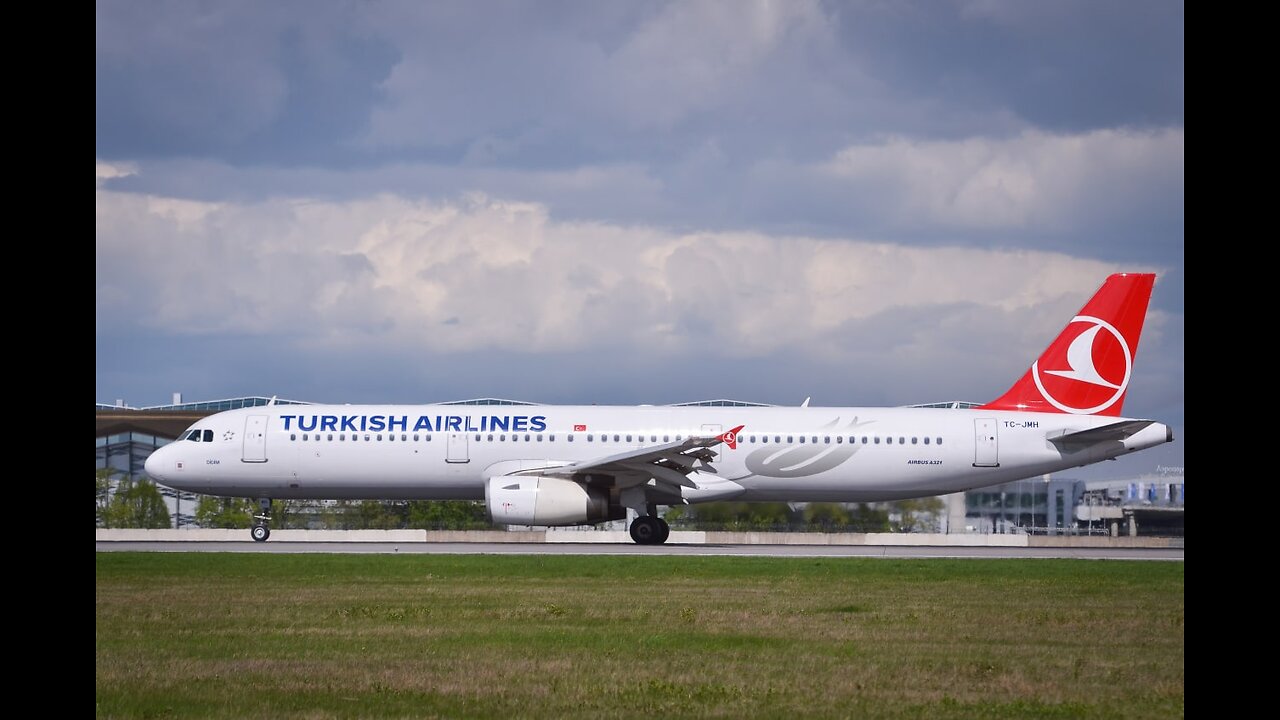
x=806, y=401
x=272, y=401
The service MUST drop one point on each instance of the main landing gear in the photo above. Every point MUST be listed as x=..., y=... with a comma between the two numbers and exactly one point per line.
x=260, y=531
x=650, y=529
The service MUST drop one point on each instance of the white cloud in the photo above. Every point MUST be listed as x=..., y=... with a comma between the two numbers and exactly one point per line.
x=485, y=274
x=114, y=170
x=1034, y=179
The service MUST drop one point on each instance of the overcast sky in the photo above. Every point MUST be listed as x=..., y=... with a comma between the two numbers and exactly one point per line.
x=869, y=203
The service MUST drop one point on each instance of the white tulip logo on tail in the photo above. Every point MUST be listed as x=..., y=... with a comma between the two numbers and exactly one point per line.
x=1082, y=368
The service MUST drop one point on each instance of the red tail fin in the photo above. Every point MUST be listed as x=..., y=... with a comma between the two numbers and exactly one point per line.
x=1086, y=370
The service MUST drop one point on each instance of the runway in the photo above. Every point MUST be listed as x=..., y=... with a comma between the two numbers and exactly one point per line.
x=446, y=548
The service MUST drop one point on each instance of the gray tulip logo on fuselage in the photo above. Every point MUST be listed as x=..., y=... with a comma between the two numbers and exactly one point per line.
x=802, y=460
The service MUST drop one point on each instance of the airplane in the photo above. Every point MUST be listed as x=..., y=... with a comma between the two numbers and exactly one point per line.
x=549, y=465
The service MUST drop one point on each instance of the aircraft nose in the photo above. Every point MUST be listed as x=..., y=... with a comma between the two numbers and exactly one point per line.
x=156, y=465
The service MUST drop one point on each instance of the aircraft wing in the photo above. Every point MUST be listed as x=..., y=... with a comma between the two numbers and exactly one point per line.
x=1114, y=432
x=669, y=464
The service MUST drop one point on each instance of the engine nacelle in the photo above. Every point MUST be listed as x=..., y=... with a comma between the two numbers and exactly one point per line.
x=532, y=500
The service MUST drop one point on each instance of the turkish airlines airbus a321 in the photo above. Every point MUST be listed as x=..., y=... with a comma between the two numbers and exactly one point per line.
x=577, y=465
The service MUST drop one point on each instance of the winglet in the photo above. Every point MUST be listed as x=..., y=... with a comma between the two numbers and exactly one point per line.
x=731, y=438
x=1087, y=368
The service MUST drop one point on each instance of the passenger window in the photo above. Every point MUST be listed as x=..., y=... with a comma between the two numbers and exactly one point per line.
x=404, y=437
x=490, y=438
x=477, y=437
x=815, y=439
x=416, y=437
x=330, y=437
x=666, y=438
x=839, y=439
x=615, y=438
x=570, y=437
x=801, y=439
x=342, y=436
x=777, y=438
x=551, y=437
x=913, y=440
x=293, y=436
x=502, y=438
x=539, y=438
x=304, y=437
x=590, y=437
x=926, y=441
x=379, y=437
x=939, y=441
x=826, y=439
x=428, y=437
x=864, y=439
x=628, y=438
x=391, y=437
x=902, y=440
x=877, y=439
x=526, y=438
x=791, y=439
x=653, y=438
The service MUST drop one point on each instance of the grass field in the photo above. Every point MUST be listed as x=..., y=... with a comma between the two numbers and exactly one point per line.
x=421, y=636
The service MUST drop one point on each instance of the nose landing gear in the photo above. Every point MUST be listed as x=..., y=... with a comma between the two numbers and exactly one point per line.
x=260, y=530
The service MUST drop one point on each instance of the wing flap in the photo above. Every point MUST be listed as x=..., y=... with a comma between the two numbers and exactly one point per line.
x=669, y=464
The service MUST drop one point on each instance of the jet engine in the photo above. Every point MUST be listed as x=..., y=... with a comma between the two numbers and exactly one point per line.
x=533, y=500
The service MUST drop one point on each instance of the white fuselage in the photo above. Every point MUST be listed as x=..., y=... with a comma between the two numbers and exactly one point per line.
x=445, y=452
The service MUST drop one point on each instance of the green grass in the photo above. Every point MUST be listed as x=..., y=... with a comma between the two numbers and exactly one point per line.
x=422, y=636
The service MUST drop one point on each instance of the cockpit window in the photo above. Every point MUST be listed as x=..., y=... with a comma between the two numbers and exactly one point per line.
x=208, y=436
x=194, y=435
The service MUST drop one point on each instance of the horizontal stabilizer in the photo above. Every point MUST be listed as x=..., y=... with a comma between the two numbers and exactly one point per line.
x=1115, y=432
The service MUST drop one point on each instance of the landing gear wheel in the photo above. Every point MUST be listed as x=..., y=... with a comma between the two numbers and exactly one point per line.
x=646, y=530
x=261, y=529
x=665, y=533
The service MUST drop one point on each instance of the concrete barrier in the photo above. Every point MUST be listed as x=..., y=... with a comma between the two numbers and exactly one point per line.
x=1103, y=541
x=929, y=539
x=557, y=535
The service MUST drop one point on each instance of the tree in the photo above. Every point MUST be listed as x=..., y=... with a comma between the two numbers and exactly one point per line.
x=137, y=504
x=448, y=515
x=104, y=494
x=742, y=516
x=229, y=513
x=867, y=519
x=827, y=516
x=378, y=515
x=917, y=514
